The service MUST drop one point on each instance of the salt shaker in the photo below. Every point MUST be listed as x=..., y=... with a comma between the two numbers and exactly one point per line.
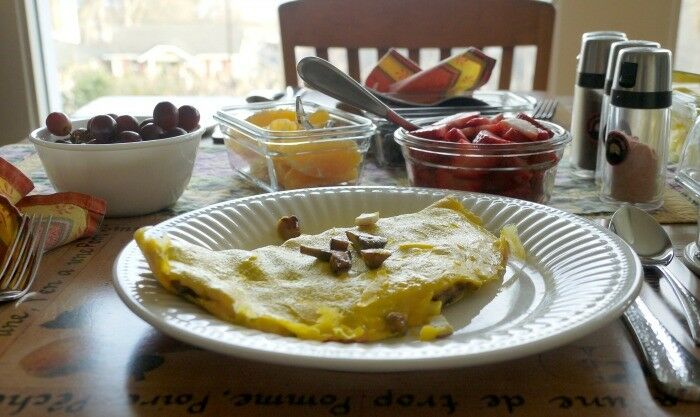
x=615, y=49
x=588, y=98
x=614, y=33
x=638, y=128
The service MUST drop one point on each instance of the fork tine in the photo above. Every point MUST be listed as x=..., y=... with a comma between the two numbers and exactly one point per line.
x=27, y=279
x=31, y=249
x=11, y=250
x=552, y=109
x=21, y=255
x=536, y=109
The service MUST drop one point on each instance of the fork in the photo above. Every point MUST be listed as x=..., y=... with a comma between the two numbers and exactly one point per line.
x=544, y=109
x=23, y=256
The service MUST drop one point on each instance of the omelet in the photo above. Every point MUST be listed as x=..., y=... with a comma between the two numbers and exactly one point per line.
x=438, y=255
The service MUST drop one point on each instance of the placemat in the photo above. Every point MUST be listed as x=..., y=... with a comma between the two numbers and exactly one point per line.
x=214, y=181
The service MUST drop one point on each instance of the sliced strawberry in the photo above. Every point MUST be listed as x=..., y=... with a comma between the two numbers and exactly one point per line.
x=523, y=192
x=497, y=118
x=419, y=156
x=470, y=132
x=455, y=135
x=458, y=120
x=421, y=175
x=473, y=166
x=478, y=121
x=543, y=160
x=539, y=125
x=514, y=135
x=488, y=137
x=436, y=132
x=447, y=178
x=526, y=128
x=544, y=134
x=499, y=128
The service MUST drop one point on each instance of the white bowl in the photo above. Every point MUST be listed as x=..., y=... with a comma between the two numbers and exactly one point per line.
x=134, y=178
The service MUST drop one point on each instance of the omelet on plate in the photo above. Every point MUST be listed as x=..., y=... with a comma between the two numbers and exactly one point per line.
x=436, y=256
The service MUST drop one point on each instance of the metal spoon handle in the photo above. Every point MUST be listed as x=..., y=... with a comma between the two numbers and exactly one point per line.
x=689, y=304
x=674, y=370
x=321, y=75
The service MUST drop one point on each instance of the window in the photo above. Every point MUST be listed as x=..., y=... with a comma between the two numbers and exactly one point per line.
x=163, y=47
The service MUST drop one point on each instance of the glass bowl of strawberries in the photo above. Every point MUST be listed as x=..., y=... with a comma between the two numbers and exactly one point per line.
x=514, y=156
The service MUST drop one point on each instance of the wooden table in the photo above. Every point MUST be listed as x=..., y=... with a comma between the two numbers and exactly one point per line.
x=75, y=349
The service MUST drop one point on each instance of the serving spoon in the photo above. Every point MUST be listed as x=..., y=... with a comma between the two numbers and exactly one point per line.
x=655, y=250
x=321, y=75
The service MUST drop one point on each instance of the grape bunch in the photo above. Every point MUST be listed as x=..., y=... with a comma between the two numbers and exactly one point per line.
x=168, y=121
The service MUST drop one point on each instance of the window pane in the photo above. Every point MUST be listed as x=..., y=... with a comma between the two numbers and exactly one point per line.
x=164, y=47
x=688, y=43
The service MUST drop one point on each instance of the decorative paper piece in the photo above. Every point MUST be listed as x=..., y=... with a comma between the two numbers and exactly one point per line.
x=392, y=67
x=403, y=79
x=74, y=215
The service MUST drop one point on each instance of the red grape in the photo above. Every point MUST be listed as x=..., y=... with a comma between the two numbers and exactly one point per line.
x=58, y=124
x=128, y=136
x=188, y=118
x=113, y=116
x=126, y=122
x=102, y=128
x=165, y=115
x=151, y=131
x=176, y=131
x=145, y=122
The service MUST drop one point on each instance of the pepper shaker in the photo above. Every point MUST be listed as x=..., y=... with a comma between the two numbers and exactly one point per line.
x=638, y=128
x=615, y=49
x=588, y=99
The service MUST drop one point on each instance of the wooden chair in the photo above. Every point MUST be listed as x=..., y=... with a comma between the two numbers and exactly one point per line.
x=416, y=24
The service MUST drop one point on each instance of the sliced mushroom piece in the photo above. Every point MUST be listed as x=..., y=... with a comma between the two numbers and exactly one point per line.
x=396, y=322
x=374, y=258
x=288, y=227
x=365, y=241
x=322, y=254
x=340, y=243
x=451, y=294
x=340, y=261
x=183, y=290
x=367, y=219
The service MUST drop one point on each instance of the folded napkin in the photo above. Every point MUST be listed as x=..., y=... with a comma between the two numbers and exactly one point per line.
x=75, y=215
x=398, y=77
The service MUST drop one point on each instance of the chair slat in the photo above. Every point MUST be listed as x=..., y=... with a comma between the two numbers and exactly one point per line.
x=354, y=63
x=445, y=53
x=381, y=52
x=322, y=52
x=414, y=54
x=506, y=68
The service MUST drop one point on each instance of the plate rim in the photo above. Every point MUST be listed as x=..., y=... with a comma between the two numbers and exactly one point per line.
x=557, y=339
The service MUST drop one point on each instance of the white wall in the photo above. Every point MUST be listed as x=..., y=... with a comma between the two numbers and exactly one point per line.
x=655, y=20
x=17, y=91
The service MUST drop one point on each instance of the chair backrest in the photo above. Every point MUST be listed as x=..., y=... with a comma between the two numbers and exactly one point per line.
x=416, y=24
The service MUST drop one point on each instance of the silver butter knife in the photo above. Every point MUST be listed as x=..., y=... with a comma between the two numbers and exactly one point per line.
x=675, y=371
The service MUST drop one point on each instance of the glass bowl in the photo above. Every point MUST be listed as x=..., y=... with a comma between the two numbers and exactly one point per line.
x=520, y=170
x=688, y=170
x=283, y=160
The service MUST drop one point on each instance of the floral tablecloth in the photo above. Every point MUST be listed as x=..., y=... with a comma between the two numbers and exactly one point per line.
x=214, y=181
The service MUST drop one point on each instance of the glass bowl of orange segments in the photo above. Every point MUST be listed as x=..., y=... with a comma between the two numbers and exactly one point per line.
x=267, y=146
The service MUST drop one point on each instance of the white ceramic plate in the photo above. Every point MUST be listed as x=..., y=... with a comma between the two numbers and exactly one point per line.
x=578, y=277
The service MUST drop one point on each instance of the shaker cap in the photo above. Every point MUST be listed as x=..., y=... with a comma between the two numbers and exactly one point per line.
x=615, y=33
x=594, y=60
x=642, y=78
x=615, y=49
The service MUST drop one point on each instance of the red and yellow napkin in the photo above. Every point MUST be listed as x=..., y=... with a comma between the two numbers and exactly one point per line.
x=402, y=78
x=74, y=215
